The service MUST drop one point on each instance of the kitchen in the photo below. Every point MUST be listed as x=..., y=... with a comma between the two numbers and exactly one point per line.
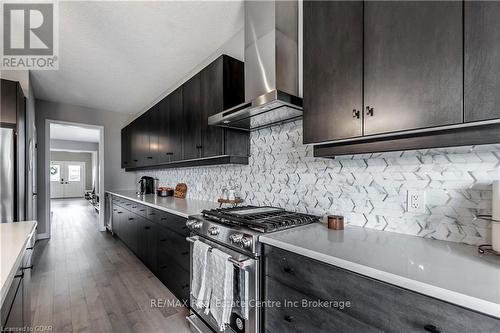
x=332, y=166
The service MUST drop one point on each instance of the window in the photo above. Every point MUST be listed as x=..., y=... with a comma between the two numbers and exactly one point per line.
x=55, y=173
x=73, y=173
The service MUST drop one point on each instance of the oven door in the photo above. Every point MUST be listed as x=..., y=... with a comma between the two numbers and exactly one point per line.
x=244, y=316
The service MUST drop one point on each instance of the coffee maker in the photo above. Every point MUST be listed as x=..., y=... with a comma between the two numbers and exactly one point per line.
x=146, y=185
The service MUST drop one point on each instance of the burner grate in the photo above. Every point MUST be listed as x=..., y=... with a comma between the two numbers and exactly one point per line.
x=265, y=219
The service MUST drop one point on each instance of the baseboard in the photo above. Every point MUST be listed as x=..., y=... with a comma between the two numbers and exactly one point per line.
x=45, y=235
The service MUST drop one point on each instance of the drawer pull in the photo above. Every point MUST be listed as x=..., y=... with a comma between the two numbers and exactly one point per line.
x=141, y=210
x=152, y=214
x=147, y=228
x=289, y=318
x=185, y=253
x=185, y=286
x=432, y=329
x=163, y=240
x=288, y=269
x=163, y=218
x=130, y=218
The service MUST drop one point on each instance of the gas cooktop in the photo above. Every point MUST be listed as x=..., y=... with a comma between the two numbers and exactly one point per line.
x=260, y=219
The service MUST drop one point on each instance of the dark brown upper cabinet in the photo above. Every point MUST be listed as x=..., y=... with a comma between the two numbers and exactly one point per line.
x=170, y=135
x=152, y=131
x=126, y=147
x=9, y=111
x=412, y=65
x=333, y=75
x=191, y=138
x=175, y=132
x=427, y=77
x=211, y=103
x=482, y=60
x=221, y=87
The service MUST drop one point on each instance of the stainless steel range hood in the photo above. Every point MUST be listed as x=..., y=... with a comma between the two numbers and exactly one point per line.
x=271, y=68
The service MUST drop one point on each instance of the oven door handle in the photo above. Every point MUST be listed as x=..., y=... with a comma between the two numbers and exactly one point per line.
x=238, y=263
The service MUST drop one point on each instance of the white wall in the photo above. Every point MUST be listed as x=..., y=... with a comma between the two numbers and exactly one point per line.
x=234, y=47
x=114, y=176
x=73, y=145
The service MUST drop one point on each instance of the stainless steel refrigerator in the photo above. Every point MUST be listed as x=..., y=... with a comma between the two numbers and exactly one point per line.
x=7, y=175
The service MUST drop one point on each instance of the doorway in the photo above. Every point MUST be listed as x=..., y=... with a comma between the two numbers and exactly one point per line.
x=74, y=166
x=67, y=179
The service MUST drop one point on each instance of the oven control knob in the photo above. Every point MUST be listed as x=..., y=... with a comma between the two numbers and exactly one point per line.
x=246, y=242
x=236, y=238
x=214, y=231
x=197, y=225
x=189, y=223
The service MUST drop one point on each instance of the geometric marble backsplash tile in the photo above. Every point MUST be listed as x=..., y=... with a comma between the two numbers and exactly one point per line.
x=370, y=190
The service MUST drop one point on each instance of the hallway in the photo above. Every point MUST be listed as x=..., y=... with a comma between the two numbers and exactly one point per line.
x=87, y=281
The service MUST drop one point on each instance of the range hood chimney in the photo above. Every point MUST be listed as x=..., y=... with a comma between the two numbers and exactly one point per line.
x=271, y=68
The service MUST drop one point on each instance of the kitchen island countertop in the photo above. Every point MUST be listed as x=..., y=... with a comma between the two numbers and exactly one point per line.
x=449, y=271
x=13, y=240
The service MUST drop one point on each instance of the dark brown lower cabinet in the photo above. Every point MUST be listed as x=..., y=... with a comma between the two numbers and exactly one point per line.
x=148, y=249
x=374, y=306
x=159, y=241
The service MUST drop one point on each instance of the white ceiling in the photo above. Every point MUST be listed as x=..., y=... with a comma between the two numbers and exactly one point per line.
x=73, y=133
x=121, y=56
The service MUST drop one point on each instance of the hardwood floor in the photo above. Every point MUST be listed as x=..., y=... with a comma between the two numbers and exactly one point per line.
x=88, y=281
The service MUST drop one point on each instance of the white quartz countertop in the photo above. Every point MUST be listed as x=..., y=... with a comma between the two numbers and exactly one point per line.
x=14, y=238
x=181, y=207
x=452, y=272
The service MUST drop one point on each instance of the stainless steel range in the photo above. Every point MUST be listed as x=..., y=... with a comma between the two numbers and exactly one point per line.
x=236, y=232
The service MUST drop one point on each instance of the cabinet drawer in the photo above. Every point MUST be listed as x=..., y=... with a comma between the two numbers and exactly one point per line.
x=142, y=210
x=153, y=214
x=375, y=303
x=172, y=222
x=127, y=204
x=292, y=315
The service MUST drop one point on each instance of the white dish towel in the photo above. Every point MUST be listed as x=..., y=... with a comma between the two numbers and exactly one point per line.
x=220, y=287
x=199, y=279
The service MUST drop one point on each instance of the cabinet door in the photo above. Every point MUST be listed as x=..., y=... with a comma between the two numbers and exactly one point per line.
x=144, y=131
x=117, y=212
x=170, y=272
x=134, y=143
x=192, y=118
x=211, y=103
x=153, y=123
x=126, y=147
x=482, y=60
x=176, y=125
x=164, y=145
x=8, y=102
x=412, y=65
x=148, y=244
x=333, y=70
x=15, y=319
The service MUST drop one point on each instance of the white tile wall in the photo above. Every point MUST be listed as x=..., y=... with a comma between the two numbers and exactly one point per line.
x=369, y=189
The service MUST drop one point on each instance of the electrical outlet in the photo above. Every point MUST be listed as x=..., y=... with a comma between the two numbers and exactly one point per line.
x=416, y=201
